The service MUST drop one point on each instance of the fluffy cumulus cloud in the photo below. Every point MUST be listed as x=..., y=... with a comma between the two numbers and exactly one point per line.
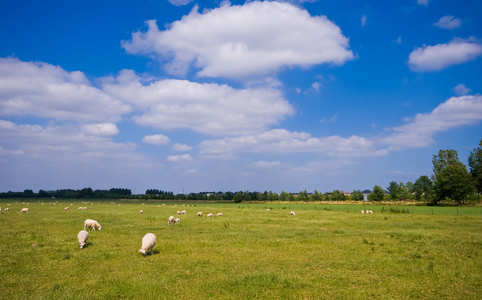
x=418, y=132
x=179, y=158
x=448, y=22
x=461, y=89
x=257, y=38
x=207, y=108
x=423, y=2
x=441, y=56
x=156, y=139
x=47, y=91
x=101, y=129
x=281, y=141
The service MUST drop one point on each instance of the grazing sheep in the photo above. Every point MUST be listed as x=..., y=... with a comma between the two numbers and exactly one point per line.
x=200, y=214
x=24, y=210
x=171, y=220
x=148, y=242
x=209, y=215
x=293, y=213
x=7, y=209
x=83, y=236
x=219, y=214
x=369, y=212
x=362, y=212
x=183, y=212
x=67, y=208
x=0, y=210
x=177, y=221
x=80, y=208
x=178, y=212
x=267, y=209
x=141, y=211
x=92, y=224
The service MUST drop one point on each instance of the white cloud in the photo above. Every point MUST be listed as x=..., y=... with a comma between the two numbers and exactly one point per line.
x=265, y=164
x=398, y=41
x=157, y=139
x=179, y=158
x=423, y=2
x=179, y=2
x=461, y=90
x=448, y=22
x=47, y=91
x=206, y=108
x=181, y=147
x=281, y=141
x=363, y=20
x=102, y=129
x=441, y=56
x=455, y=112
x=257, y=38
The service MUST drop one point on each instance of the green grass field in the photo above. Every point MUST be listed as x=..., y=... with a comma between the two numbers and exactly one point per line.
x=331, y=252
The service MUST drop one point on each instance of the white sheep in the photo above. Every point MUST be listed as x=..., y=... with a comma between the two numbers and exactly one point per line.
x=267, y=209
x=148, y=242
x=177, y=221
x=83, y=236
x=7, y=209
x=178, y=212
x=362, y=212
x=24, y=210
x=141, y=211
x=171, y=220
x=200, y=214
x=92, y=224
x=369, y=212
x=219, y=214
x=209, y=215
x=293, y=213
x=67, y=208
x=183, y=212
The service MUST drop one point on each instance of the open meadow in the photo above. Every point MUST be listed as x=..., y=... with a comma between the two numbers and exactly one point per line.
x=324, y=252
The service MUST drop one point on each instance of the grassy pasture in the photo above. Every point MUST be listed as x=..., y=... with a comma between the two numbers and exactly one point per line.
x=248, y=253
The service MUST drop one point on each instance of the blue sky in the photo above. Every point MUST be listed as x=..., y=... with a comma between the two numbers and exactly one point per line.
x=225, y=96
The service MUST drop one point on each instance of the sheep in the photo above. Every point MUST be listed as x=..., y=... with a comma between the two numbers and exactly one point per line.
x=267, y=209
x=24, y=210
x=92, y=224
x=7, y=209
x=83, y=236
x=200, y=214
x=369, y=212
x=177, y=221
x=178, y=212
x=141, y=211
x=183, y=212
x=293, y=213
x=0, y=210
x=171, y=220
x=148, y=242
x=67, y=208
x=362, y=212
x=219, y=214
x=209, y=215
x=80, y=208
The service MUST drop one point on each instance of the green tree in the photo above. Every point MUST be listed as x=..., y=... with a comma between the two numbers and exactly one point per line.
x=454, y=182
x=377, y=194
x=303, y=196
x=285, y=196
x=444, y=159
x=357, y=195
x=475, y=165
x=273, y=196
x=317, y=196
x=338, y=196
x=393, y=188
x=423, y=188
x=238, y=197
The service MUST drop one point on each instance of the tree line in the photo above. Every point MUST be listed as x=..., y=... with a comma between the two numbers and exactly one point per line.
x=451, y=181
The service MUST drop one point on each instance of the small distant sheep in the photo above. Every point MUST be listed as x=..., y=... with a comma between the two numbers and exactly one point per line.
x=80, y=208
x=178, y=212
x=92, y=224
x=219, y=214
x=362, y=212
x=200, y=214
x=369, y=212
x=7, y=209
x=67, y=208
x=24, y=210
x=183, y=212
x=267, y=209
x=177, y=221
x=83, y=236
x=148, y=242
x=209, y=215
x=141, y=211
x=171, y=220
x=293, y=213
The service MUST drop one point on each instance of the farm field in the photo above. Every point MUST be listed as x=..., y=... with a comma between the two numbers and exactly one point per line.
x=331, y=252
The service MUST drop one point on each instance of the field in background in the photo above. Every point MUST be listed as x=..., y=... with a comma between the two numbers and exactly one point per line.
x=331, y=252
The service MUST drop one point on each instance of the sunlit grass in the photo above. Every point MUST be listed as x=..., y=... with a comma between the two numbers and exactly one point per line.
x=248, y=253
